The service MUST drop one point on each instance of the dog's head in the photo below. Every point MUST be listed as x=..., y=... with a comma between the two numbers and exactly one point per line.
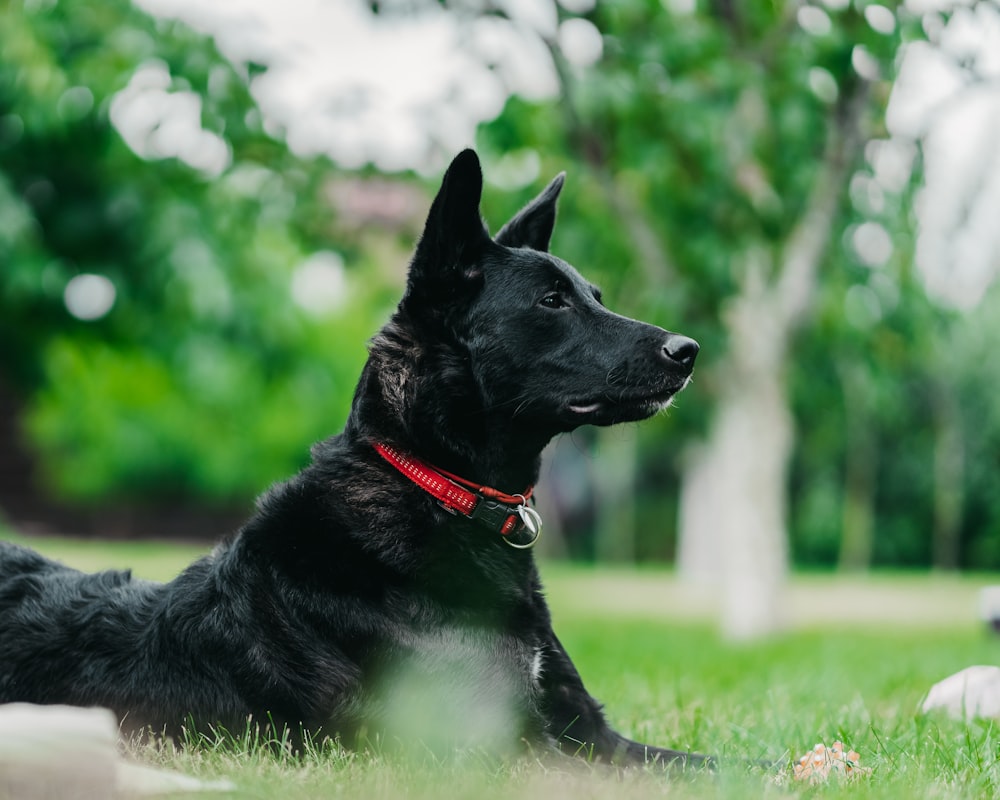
x=541, y=346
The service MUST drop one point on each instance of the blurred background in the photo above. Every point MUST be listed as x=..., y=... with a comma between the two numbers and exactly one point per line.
x=207, y=209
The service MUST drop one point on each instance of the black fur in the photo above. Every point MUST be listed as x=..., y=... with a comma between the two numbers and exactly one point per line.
x=352, y=603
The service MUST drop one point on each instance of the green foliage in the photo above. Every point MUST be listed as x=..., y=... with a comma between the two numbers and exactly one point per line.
x=145, y=426
x=205, y=379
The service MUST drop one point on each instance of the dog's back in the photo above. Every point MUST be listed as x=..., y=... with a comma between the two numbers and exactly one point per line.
x=17, y=562
x=219, y=644
x=28, y=581
x=48, y=612
x=101, y=640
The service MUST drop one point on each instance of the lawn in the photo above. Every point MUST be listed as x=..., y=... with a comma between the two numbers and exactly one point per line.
x=858, y=657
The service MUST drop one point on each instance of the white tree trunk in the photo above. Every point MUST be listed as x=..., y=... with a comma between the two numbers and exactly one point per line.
x=699, y=521
x=733, y=512
x=734, y=489
x=752, y=441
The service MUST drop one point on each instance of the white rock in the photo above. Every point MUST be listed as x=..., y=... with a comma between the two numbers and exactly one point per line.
x=973, y=692
x=56, y=752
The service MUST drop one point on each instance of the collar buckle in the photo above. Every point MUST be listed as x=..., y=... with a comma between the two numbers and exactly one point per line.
x=495, y=516
x=520, y=526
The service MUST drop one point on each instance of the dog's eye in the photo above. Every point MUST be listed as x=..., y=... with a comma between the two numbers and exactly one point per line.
x=553, y=300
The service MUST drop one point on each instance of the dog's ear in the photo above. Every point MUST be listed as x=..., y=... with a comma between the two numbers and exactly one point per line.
x=532, y=225
x=454, y=235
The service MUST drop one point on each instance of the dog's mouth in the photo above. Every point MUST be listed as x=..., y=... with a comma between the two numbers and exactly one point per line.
x=608, y=410
x=583, y=409
x=620, y=407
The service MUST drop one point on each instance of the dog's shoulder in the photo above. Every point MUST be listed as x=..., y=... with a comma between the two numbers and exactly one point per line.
x=322, y=528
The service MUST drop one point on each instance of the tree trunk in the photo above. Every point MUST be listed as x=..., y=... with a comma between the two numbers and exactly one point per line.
x=734, y=491
x=949, y=479
x=614, y=495
x=861, y=458
x=752, y=441
x=699, y=521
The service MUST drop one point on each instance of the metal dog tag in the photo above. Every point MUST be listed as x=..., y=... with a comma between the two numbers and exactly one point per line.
x=532, y=522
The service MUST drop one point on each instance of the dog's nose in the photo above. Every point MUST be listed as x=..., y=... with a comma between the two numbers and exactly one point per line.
x=681, y=349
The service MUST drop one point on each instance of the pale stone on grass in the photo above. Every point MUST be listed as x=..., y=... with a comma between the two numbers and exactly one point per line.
x=973, y=692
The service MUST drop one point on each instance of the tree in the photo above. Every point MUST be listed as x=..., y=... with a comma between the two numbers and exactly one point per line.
x=725, y=138
x=161, y=295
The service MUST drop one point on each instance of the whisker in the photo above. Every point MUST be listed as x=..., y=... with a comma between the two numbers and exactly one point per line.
x=522, y=406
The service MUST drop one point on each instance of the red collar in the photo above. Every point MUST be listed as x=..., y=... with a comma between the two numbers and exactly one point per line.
x=507, y=514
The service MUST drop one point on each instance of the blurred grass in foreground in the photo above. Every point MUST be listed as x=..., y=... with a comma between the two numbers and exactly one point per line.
x=855, y=669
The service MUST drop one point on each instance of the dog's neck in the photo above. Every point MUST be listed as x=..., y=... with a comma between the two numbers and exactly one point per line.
x=442, y=421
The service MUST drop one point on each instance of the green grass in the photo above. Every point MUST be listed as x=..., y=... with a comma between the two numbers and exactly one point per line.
x=855, y=665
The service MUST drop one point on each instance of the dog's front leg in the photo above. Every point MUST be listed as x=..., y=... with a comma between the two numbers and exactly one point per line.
x=577, y=723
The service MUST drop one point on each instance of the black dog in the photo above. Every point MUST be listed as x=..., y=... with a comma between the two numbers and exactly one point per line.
x=374, y=594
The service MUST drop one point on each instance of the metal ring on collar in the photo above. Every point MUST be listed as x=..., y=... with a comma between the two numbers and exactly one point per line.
x=531, y=520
